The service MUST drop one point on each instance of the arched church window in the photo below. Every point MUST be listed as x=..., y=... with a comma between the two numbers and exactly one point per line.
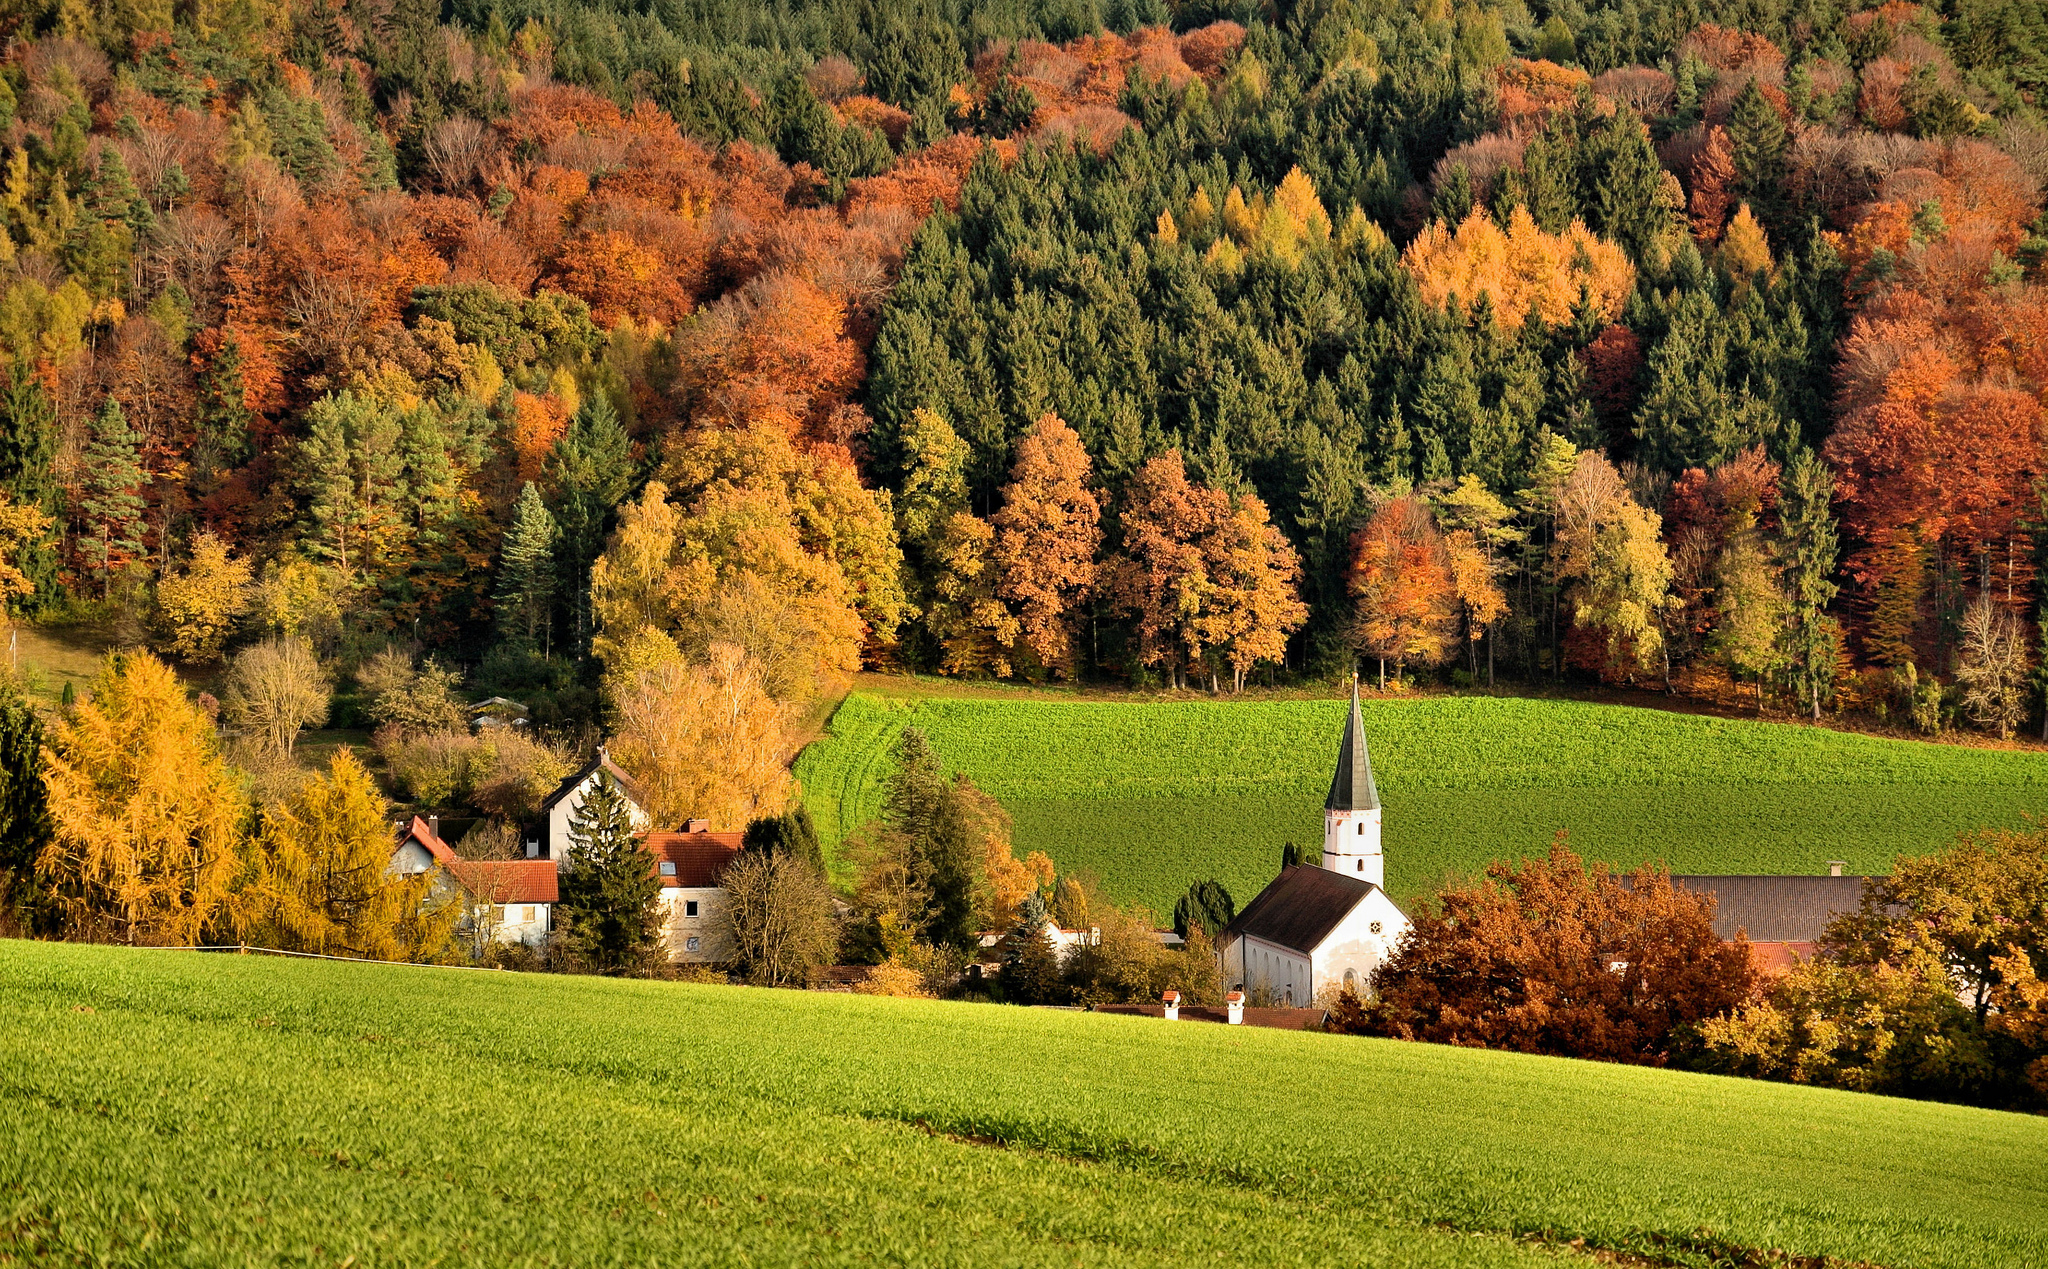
x=1361, y=828
x=1361, y=865
x=1351, y=980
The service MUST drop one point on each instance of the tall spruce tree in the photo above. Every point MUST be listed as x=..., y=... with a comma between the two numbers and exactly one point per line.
x=24, y=803
x=111, y=506
x=526, y=571
x=1757, y=133
x=590, y=471
x=28, y=452
x=222, y=421
x=925, y=808
x=611, y=894
x=1808, y=543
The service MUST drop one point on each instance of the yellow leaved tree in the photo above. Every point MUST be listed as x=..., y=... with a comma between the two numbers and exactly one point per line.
x=705, y=741
x=201, y=605
x=148, y=816
x=324, y=883
x=1522, y=270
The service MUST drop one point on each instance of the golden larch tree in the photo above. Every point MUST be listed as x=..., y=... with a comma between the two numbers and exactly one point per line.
x=148, y=816
x=324, y=880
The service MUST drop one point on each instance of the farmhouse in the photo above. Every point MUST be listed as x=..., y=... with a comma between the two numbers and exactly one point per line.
x=548, y=836
x=1783, y=917
x=1318, y=929
x=699, y=921
x=515, y=898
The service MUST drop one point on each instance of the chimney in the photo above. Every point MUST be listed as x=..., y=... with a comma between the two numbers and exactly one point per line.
x=434, y=825
x=1835, y=867
x=696, y=826
x=1235, y=1000
x=1172, y=1002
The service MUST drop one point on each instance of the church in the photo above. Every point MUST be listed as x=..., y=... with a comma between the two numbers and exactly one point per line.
x=1317, y=930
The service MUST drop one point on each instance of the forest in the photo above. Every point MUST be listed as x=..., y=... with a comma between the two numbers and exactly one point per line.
x=611, y=361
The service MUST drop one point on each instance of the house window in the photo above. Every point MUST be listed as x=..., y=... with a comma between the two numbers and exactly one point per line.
x=668, y=867
x=1361, y=865
x=1361, y=828
x=690, y=909
x=525, y=915
x=690, y=944
x=1375, y=927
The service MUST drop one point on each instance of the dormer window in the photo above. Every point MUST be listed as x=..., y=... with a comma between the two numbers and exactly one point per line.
x=668, y=867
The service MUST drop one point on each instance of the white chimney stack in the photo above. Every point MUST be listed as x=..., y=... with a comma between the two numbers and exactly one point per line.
x=1236, y=1002
x=1172, y=1002
x=1835, y=867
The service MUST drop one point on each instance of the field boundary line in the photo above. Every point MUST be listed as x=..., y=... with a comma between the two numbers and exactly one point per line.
x=311, y=956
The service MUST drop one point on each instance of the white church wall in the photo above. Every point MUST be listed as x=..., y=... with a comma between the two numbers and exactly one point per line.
x=1285, y=975
x=1357, y=947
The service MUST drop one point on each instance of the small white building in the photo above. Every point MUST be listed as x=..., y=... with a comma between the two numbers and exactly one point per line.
x=699, y=924
x=1317, y=930
x=548, y=836
x=513, y=899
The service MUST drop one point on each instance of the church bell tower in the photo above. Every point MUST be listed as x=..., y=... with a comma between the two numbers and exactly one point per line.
x=1351, y=814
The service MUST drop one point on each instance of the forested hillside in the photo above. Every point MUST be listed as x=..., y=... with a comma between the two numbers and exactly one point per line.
x=620, y=357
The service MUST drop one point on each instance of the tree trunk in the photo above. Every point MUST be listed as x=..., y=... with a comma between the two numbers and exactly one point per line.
x=1383, y=674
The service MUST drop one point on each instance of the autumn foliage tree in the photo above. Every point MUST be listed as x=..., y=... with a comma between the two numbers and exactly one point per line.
x=324, y=881
x=147, y=815
x=1207, y=576
x=1551, y=956
x=1522, y=270
x=1047, y=533
x=1403, y=576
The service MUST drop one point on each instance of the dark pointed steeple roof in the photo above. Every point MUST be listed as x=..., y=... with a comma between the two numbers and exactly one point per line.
x=1352, y=788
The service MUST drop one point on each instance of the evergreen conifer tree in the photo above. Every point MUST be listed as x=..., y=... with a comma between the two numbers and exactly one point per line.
x=1031, y=965
x=1206, y=904
x=223, y=419
x=526, y=571
x=591, y=471
x=24, y=803
x=610, y=892
x=1807, y=546
x=28, y=451
x=790, y=833
x=111, y=505
x=1757, y=133
x=924, y=808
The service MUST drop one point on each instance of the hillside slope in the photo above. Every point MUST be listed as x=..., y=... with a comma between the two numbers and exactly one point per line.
x=171, y=1107
x=1150, y=796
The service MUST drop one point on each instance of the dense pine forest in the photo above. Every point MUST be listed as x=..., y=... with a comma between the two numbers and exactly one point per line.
x=619, y=359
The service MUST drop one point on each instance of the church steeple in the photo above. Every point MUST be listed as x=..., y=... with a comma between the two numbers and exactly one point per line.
x=1351, y=789
x=1351, y=814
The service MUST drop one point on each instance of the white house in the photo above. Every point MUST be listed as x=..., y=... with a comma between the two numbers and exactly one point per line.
x=1316, y=930
x=548, y=837
x=515, y=897
x=699, y=921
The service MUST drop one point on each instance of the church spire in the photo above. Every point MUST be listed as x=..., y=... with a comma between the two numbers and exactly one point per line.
x=1351, y=789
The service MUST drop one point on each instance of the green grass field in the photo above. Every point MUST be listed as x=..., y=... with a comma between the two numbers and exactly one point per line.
x=1150, y=796
x=179, y=1108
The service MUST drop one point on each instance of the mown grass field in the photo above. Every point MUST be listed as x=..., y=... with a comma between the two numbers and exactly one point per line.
x=1150, y=796
x=168, y=1107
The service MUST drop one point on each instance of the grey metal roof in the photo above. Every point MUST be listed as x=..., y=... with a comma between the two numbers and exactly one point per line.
x=1351, y=789
x=1299, y=908
x=1776, y=909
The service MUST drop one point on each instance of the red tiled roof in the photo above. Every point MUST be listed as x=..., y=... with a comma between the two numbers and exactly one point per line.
x=1773, y=959
x=442, y=852
x=698, y=857
x=508, y=880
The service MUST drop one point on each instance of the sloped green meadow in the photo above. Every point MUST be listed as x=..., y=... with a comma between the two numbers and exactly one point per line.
x=160, y=1108
x=1150, y=796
